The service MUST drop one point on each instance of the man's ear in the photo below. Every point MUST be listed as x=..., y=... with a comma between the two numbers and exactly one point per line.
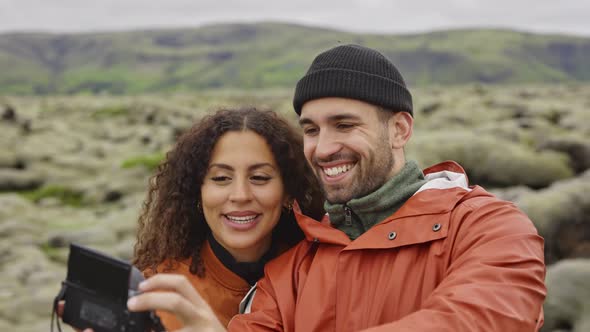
x=401, y=125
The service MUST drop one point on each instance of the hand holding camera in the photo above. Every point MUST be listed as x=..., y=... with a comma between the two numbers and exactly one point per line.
x=176, y=295
x=105, y=294
x=96, y=291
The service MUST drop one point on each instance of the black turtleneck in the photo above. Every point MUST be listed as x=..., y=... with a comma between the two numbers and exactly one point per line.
x=249, y=271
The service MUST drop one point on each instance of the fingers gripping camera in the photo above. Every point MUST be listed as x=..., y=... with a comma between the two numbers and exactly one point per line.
x=96, y=291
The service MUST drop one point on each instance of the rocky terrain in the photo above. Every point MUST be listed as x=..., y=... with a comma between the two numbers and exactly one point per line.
x=75, y=169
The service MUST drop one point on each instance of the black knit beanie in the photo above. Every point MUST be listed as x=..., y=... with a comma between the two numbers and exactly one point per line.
x=355, y=72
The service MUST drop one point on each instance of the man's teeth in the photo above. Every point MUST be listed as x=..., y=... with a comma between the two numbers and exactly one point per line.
x=333, y=171
x=241, y=220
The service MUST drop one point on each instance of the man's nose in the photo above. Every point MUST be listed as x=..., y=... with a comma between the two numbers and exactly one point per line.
x=326, y=146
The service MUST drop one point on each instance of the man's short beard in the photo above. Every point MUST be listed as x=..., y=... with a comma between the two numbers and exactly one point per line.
x=363, y=184
x=375, y=172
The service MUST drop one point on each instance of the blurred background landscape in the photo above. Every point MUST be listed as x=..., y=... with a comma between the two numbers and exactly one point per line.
x=273, y=55
x=85, y=118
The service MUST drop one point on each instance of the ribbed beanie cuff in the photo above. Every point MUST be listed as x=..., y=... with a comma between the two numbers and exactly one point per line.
x=355, y=72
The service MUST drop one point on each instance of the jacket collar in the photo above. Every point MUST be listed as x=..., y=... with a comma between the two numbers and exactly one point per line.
x=424, y=217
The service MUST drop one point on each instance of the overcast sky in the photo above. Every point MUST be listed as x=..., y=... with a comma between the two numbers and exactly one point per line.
x=372, y=16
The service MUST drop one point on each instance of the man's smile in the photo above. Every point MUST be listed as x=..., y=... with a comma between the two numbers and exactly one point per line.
x=337, y=170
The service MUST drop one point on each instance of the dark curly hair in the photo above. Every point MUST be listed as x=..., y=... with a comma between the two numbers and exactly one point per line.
x=170, y=225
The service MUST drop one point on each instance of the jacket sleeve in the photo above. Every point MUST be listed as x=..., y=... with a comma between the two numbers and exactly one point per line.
x=265, y=314
x=273, y=306
x=495, y=279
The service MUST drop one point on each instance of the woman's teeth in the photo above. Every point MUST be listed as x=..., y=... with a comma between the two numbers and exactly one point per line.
x=241, y=220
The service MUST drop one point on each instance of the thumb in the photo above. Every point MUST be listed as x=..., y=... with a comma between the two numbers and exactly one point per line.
x=60, y=308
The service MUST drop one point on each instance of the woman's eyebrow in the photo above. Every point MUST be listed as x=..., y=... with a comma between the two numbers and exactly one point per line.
x=250, y=168
x=260, y=165
x=223, y=166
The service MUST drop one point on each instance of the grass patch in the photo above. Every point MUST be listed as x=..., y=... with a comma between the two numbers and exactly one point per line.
x=150, y=161
x=59, y=255
x=65, y=195
x=111, y=111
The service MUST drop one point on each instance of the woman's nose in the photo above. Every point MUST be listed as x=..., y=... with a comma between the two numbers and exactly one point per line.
x=241, y=191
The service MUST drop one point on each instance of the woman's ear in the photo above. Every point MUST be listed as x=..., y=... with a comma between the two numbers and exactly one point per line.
x=400, y=125
x=288, y=204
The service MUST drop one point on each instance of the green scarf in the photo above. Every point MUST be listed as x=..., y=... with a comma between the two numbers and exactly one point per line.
x=375, y=207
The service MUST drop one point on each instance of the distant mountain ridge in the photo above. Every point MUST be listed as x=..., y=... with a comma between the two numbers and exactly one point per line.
x=269, y=55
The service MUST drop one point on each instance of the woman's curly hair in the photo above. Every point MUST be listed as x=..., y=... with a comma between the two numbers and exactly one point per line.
x=172, y=228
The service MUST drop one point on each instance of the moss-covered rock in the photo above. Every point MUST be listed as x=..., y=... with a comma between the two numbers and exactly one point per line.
x=16, y=180
x=101, y=150
x=512, y=194
x=65, y=195
x=111, y=111
x=491, y=161
x=578, y=120
x=577, y=147
x=12, y=205
x=149, y=161
x=562, y=216
x=567, y=306
x=95, y=235
x=10, y=159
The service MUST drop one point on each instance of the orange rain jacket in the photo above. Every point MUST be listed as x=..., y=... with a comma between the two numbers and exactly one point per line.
x=452, y=258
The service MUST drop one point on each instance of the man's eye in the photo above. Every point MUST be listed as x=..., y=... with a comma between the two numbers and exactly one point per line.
x=310, y=131
x=345, y=125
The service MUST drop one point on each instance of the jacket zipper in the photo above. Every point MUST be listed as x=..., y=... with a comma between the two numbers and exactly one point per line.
x=347, y=216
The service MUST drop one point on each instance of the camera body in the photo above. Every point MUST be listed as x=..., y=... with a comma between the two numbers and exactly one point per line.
x=97, y=288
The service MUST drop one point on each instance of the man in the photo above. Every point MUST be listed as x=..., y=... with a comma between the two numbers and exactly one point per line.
x=403, y=250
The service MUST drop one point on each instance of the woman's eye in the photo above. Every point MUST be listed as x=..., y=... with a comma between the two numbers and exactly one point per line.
x=220, y=178
x=260, y=179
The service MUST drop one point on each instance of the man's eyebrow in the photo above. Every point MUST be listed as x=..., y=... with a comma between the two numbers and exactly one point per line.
x=332, y=118
x=344, y=116
x=304, y=121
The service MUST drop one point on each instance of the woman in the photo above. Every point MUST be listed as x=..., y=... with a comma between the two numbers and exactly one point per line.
x=219, y=206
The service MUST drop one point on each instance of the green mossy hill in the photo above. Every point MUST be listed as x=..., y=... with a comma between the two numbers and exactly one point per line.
x=263, y=55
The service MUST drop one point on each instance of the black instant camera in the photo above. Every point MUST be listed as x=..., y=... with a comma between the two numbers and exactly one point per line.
x=96, y=291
